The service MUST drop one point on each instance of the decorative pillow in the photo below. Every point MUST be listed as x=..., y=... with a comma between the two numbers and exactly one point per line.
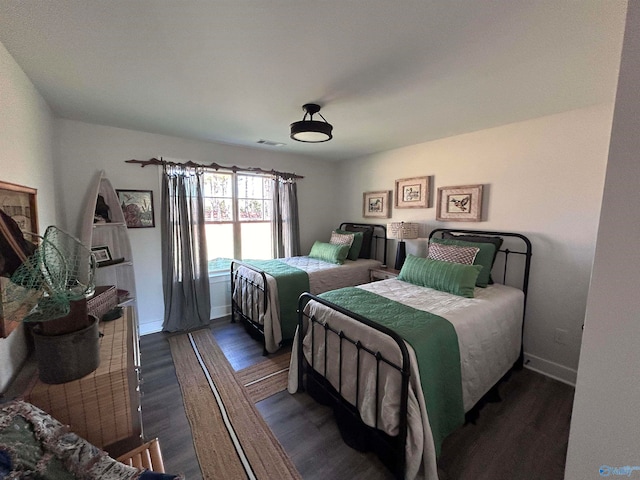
x=367, y=236
x=356, y=246
x=329, y=253
x=484, y=257
x=452, y=253
x=497, y=241
x=341, y=239
x=455, y=278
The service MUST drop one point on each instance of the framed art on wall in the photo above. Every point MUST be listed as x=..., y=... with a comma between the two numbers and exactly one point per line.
x=376, y=204
x=460, y=204
x=19, y=228
x=137, y=207
x=412, y=192
x=19, y=203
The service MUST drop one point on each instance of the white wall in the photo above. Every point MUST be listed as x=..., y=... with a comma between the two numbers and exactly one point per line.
x=26, y=127
x=605, y=423
x=543, y=178
x=83, y=149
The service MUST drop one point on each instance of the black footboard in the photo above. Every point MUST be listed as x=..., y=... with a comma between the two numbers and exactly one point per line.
x=391, y=449
x=249, y=299
x=250, y=294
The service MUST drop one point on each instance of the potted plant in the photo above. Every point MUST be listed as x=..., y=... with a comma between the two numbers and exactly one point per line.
x=52, y=284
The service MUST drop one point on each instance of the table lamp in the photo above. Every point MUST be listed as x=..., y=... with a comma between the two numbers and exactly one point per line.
x=402, y=231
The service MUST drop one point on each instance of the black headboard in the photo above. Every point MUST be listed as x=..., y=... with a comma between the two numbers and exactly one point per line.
x=514, y=244
x=375, y=236
x=520, y=246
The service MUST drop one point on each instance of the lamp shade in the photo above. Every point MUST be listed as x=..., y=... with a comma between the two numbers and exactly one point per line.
x=402, y=230
x=310, y=130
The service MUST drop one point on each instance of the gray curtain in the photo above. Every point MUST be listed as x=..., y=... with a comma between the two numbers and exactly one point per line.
x=185, y=276
x=285, y=223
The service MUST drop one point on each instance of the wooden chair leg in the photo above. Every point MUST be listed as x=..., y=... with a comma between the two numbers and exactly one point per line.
x=147, y=455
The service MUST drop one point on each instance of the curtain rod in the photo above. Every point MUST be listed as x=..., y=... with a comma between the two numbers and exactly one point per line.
x=214, y=166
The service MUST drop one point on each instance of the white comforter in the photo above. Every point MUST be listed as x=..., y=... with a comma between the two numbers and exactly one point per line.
x=489, y=331
x=323, y=276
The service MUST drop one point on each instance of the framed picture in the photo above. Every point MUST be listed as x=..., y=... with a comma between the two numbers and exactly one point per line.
x=412, y=192
x=376, y=204
x=102, y=253
x=137, y=207
x=19, y=203
x=460, y=204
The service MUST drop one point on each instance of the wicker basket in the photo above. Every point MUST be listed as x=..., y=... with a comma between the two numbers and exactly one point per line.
x=102, y=301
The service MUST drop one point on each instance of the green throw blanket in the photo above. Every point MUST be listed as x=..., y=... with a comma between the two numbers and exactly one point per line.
x=435, y=343
x=292, y=282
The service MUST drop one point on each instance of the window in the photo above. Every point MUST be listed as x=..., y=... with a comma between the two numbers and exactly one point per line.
x=237, y=210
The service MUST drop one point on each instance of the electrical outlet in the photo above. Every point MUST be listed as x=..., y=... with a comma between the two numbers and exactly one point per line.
x=561, y=336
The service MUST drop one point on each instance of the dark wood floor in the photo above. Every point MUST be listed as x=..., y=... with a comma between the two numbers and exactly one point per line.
x=522, y=437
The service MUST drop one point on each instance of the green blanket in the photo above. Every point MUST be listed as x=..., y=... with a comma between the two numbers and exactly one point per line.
x=292, y=282
x=435, y=343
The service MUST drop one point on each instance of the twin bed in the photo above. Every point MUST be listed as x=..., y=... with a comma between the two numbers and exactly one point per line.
x=401, y=361
x=264, y=294
x=395, y=389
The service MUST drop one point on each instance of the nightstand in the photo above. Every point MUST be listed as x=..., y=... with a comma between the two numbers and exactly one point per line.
x=382, y=273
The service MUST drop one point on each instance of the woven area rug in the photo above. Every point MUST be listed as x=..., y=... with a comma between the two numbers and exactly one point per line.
x=231, y=438
x=265, y=378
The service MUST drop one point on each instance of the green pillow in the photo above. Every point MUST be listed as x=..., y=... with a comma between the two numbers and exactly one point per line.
x=354, y=251
x=329, y=253
x=484, y=257
x=450, y=277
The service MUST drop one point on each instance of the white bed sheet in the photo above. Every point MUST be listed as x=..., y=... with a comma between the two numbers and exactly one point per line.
x=488, y=328
x=323, y=276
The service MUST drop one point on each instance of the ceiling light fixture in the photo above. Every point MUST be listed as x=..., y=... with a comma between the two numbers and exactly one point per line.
x=311, y=131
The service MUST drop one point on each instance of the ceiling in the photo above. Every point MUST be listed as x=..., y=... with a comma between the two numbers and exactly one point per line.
x=387, y=73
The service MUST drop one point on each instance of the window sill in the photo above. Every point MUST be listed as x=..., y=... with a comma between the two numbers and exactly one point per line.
x=218, y=273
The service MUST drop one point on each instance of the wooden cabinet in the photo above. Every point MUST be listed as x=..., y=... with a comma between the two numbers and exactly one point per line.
x=382, y=273
x=111, y=237
x=104, y=406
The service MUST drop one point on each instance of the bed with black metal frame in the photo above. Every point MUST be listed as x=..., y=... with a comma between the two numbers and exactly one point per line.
x=378, y=352
x=255, y=300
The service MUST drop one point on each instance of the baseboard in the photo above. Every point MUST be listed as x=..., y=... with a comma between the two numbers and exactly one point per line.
x=150, y=327
x=551, y=369
x=220, y=311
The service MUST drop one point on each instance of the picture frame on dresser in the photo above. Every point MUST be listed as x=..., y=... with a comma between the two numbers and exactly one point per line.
x=101, y=253
x=460, y=204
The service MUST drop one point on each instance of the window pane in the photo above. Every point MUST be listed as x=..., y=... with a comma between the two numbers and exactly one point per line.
x=218, y=197
x=251, y=210
x=217, y=185
x=267, y=209
x=250, y=186
x=256, y=241
x=218, y=210
x=219, y=240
